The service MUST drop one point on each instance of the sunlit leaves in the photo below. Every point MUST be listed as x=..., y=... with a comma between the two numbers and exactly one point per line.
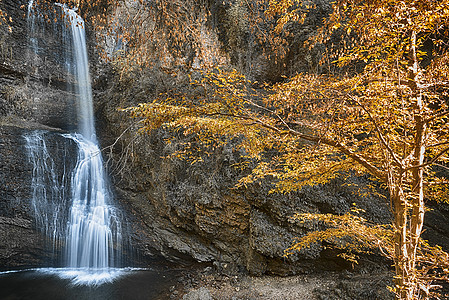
x=392, y=113
x=353, y=235
x=386, y=118
x=383, y=113
x=349, y=231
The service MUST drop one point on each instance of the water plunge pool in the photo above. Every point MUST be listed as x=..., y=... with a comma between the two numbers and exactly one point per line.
x=64, y=283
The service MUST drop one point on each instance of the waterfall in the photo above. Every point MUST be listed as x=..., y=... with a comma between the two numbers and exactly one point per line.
x=88, y=225
x=90, y=236
x=31, y=22
x=82, y=75
x=49, y=187
x=93, y=227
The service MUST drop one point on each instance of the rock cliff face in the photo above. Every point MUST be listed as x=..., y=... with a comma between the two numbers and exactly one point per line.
x=16, y=228
x=174, y=209
x=32, y=67
x=33, y=96
x=180, y=210
x=22, y=242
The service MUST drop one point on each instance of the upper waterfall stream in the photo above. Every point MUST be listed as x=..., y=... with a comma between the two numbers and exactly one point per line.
x=81, y=71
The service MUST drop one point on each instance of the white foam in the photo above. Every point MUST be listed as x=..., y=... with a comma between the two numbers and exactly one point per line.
x=90, y=277
x=11, y=271
x=79, y=276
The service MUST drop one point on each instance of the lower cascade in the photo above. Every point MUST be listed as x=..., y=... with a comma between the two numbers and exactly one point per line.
x=73, y=210
x=93, y=228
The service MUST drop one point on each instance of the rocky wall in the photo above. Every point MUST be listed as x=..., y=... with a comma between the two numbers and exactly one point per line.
x=194, y=210
x=33, y=96
x=181, y=210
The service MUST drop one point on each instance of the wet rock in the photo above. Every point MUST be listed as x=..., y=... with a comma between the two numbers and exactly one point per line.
x=20, y=245
x=33, y=80
x=22, y=242
x=34, y=95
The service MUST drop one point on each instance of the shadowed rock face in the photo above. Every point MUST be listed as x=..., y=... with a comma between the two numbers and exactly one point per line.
x=18, y=241
x=33, y=82
x=181, y=209
x=33, y=96
x=22, y=243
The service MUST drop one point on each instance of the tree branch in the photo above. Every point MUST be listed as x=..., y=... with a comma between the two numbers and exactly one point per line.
x=381, y=137
x=432, y=161
x=445, y=113
x=430, y=85
x=317, y=139
x=438, y=144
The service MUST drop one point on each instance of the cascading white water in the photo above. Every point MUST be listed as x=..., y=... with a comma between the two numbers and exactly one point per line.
x=90, y=236
x=90, y=239
x=48, y=187
x=91, y=229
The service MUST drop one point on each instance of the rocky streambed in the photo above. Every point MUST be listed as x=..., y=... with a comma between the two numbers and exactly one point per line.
x=323, y=286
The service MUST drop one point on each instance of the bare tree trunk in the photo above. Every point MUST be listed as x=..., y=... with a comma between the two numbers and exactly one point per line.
x=409, y=227
x=418, y=208
x=404, y=286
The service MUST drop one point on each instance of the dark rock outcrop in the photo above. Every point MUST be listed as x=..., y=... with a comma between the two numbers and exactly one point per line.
x=183, y=209
x=33, y=79
x=19, y=242
x=33, y=96
x=22, y=242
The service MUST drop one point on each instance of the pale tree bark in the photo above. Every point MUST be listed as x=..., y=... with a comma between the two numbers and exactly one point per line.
x=409, y=226
x=401, y=254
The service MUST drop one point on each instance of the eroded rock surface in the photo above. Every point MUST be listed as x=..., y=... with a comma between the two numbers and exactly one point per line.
x=33, y=96
x=181, y=210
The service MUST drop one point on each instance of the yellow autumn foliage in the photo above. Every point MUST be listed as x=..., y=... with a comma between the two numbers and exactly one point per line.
x=382, y=111
x=387, y=117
